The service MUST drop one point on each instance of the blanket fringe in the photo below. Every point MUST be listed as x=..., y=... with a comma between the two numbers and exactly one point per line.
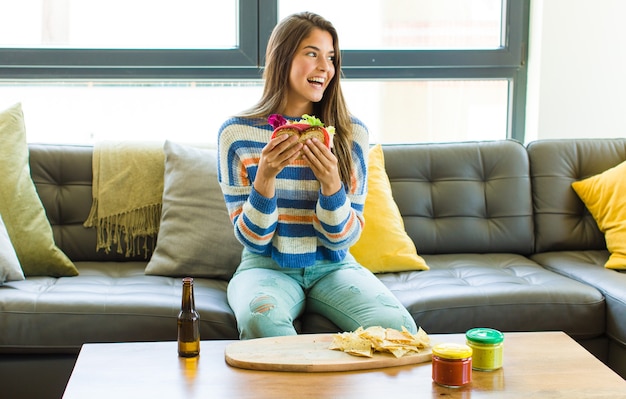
x=129, y=231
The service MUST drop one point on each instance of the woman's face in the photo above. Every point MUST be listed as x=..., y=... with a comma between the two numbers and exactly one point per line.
x=312, y=69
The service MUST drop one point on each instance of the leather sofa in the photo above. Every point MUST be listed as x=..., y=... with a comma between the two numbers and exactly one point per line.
x=509, y=245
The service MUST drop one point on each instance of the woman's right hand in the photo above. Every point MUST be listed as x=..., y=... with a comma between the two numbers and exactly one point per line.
x=278, y=153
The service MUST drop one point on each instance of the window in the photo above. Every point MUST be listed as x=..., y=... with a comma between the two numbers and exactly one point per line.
x=416, y=71
x=121, y=24
x=411, y=24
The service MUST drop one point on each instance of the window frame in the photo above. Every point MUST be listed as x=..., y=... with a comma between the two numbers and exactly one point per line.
x=153, y=64
x=245, y=62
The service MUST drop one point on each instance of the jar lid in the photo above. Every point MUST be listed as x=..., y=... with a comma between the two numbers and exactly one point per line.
x=484, y=336
x=452, y=351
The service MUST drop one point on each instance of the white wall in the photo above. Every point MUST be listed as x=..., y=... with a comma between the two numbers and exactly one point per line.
x=576, y=69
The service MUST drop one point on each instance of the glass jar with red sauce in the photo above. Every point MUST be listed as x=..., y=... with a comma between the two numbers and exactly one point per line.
x=452, y=364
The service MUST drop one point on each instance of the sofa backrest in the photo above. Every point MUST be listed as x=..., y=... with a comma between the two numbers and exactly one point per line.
x=472, y=197
x=562, y=221
x=63, y=178
x=454, y=197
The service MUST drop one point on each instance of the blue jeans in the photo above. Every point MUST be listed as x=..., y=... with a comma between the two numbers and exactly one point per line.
x=266, y=298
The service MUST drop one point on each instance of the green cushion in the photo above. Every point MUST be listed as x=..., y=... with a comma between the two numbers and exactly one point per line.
x=20, y=206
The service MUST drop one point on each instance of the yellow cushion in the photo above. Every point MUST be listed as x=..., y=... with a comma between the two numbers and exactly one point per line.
x=20, y=206
x=384, y=245
x=604, y=195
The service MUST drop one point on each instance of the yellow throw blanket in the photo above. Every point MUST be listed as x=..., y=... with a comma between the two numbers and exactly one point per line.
x=127, y=194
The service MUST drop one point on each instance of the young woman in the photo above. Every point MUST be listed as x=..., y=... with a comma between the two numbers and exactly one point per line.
x=298, y=207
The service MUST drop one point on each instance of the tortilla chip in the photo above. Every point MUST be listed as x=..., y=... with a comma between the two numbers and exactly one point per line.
x=353, y=344
x=363, y=342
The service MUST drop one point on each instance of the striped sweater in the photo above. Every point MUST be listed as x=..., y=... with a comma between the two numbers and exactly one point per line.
x=299, y=225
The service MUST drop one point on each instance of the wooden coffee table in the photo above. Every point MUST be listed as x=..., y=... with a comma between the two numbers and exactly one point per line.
x=542, y=364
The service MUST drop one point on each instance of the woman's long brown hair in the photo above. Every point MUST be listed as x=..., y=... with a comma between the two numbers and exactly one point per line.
x=332, y=109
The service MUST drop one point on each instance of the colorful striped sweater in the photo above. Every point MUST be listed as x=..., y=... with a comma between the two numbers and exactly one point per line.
x=299, y=225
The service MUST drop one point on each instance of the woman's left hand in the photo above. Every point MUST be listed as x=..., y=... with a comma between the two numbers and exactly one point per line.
x=323, y=163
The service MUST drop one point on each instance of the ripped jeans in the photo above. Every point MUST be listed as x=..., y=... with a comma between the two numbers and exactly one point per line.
x=266, y=298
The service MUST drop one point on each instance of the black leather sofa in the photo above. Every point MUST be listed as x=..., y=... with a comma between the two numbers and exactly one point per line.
x=509, y=245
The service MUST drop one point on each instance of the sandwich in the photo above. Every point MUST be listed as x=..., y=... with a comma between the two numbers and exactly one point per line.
x=306, y=128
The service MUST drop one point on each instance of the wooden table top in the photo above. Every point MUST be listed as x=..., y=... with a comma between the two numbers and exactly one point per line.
x=537, y=365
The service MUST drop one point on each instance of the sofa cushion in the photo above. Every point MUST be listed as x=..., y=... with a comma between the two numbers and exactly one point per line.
x=20, y=206
x=562, y=222
x=604, y=196
x=587, y=267
x=107, y=302
x=10, y=268
x=196, y=237
x=503, y=291
x=463, y=197
x=384, y=245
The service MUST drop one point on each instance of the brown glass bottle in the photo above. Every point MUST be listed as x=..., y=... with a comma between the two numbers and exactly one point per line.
x=188, y=323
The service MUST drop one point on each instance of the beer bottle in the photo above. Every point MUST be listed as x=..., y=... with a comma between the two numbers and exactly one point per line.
x=188, y=323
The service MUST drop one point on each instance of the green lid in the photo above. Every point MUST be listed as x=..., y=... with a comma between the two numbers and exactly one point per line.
x=484, y=336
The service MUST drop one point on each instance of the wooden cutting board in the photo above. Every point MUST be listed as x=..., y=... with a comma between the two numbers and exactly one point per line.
x=308, y=353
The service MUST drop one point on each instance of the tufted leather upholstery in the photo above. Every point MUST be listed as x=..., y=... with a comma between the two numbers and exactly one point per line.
x=508, y=292
x=468, y=208
x=568, y=239
x=562, y=221
x=463, y=197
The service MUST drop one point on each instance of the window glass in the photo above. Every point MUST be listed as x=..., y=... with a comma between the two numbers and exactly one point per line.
x=409, y=24
x=430, y=111
x=86, y=112
x=182, y=24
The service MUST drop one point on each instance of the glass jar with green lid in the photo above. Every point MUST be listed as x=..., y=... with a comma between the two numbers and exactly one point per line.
x=487, y=347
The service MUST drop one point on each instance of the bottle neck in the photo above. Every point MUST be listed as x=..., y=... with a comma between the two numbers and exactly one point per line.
x=188, y=300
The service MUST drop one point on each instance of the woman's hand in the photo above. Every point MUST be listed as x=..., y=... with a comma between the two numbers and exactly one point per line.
x=278, y=153
x=323, y=163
